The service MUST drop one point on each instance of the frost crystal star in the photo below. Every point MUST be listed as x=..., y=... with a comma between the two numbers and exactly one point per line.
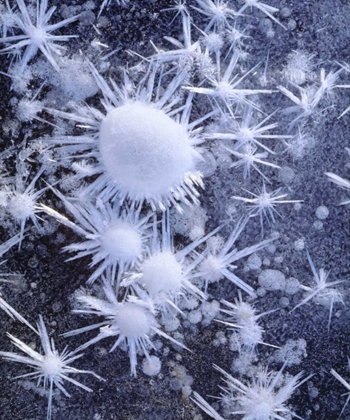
x=132, y=322
x=115, y=238
x=322, y=291
x=265, y=8
x=219, y=263
x=36, y=36
x=21, y=199
x=264, y=204
x=144, y=145
x=218, y=12
x=164, y=277
x=51, y=367
x=262, y=399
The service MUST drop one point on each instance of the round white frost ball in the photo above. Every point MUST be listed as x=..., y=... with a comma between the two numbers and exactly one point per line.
x=144, y=151
x=286, y=175
x=292, y=286
x=318, y=225
x=151, y=366
x=299, y=244
x=122, y=241
x=254, y=262
x=133, y=320
x=272, y=280
x=161, y=273
x=322, y=212
x=195, y=316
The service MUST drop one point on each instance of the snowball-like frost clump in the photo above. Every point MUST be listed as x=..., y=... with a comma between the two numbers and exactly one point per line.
x=52, y=364
x=161, y=272
x=212, y=267
x=272, y=280
x=122, y=241
x=144, y=151
x=133, y=320
x=21, y=206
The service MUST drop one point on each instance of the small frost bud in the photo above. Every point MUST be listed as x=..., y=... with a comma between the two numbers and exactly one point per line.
x=292, y=286
x=270, y=33
x=210, y=309
x=291, y=25
x=260, y=292
x=254, y=262
x=299, y=244
x=286, y=175
x=299, y=67
x=272, y=280
x=313, y=392
x=196, y=232
x=292, y=352
x=271, y=249
x=213, y=42
x=284, y=302
x=322, y=212
x=186, y=391
x=318, y=225
x=172, y=324
x=278, y=259
x=285, y=12
x=151, y=366
x=195, y=316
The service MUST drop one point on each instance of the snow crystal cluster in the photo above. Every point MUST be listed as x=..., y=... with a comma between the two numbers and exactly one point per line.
x=164, y=172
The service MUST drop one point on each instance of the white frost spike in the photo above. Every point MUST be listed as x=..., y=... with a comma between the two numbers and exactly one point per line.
x=248, y=158
x=6, y=246
x=265, y=8
x=342, y=182
x=310, y=97
x=264, y=398
x=179, y=7
x=11, y=312
x=347, y=386
x=225, y=85
x=207, y=408
x=185, y=49
x=250, y=133
x=217, y=11
x=242, y=316
x=108, y=2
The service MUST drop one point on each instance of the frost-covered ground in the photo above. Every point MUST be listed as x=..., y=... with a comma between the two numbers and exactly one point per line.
x=309, y=42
